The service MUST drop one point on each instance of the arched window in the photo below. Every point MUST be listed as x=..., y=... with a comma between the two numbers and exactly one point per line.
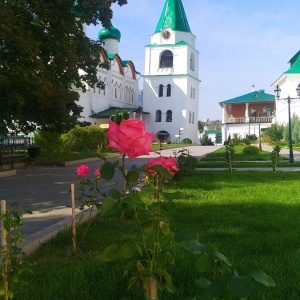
x=158, y=116
x=161, y=90
x=169, y=116
x=192, y=62
x=169, y=90
x=166, y=59
x=190, y=117
x=115, y=93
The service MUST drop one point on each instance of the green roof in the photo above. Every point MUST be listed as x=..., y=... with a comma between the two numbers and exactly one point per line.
x=173, y=17
x=294, y=64
x=112, y=33
x=213, y=131
x=111, y=111
x=256, y=96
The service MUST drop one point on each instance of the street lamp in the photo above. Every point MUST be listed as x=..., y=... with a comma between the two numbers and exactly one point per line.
x=288, y=100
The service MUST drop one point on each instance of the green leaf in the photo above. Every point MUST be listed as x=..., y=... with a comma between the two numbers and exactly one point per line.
x=139, y=249
x=204, y=263
x=170, y=258
x=222, y=258
x=219, y=286
x=108, y=207
x=202, y=287
x=186, y=234
x=111, y=252
x=132, y=176
x=193, y=246
x=261, y=277
x=164, y=172
x=107, y=171
x=132, y=281
x=127, y=250
x=10, y=294
x=169, y=284
x=240, y=286
x=165, y=229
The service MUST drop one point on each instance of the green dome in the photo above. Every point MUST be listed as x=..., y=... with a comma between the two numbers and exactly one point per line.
x=112, y=33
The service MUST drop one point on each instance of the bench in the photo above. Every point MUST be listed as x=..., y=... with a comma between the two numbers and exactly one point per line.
x=11, y=153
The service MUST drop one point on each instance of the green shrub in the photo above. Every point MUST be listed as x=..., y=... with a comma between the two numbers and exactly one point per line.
x=251, y=150
x=186, y=141
x=186, y=163
x=51, y=144
x=88, y=137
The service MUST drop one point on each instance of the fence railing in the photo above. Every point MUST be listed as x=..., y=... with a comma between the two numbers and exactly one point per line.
x=249, y=120
x=17, y=140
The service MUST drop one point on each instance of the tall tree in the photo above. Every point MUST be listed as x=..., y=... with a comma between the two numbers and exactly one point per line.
x=44, y=57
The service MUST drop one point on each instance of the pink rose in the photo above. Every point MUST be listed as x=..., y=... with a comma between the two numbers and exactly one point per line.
x=82, y=170
x=130, y=137
x=168, y=163
x=97, y=172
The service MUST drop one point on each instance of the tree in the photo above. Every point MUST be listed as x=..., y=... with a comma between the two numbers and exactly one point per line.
x=295, y=122
x=275, y=132
x=42, y=49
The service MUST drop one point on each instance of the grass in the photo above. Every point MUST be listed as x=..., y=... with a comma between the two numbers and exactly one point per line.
x=253, y=217
x=241, y=160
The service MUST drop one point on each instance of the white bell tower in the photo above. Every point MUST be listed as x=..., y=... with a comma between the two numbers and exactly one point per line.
x=171, y=84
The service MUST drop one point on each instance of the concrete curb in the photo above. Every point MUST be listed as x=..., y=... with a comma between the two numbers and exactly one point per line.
x=34, y=241
x=8, y=173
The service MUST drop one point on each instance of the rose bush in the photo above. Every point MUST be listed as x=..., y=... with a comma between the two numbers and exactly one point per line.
x=168, y=163
x=129, y=137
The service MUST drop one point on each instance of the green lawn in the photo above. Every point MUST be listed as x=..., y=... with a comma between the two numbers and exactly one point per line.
x=253, y=217
x=241, y=160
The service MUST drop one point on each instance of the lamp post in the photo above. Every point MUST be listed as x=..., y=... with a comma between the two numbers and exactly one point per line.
x=288, y=100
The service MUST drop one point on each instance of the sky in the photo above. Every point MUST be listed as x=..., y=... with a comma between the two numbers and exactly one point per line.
x=241, y=43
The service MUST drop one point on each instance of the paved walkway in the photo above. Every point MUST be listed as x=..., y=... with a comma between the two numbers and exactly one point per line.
x=46, y=191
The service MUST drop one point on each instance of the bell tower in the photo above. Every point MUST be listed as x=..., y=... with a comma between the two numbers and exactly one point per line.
x=171, y=84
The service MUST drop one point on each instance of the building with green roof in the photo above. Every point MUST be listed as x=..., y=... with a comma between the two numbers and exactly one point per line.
x=288, y=83
x=120, y=91
x=247, y=114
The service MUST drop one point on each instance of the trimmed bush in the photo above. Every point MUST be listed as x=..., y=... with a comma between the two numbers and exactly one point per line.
x=186, y=141
x=251, y=150
x=88, y=137
x=51, y=144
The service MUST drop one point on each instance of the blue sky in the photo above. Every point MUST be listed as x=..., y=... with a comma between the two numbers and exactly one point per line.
x=240, y=43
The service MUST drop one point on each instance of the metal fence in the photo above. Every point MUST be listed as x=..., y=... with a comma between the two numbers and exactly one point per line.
x=17, y=140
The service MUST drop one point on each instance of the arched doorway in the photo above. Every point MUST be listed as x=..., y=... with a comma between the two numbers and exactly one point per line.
x=163, y=136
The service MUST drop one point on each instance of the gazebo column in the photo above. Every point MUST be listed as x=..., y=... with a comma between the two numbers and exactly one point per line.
x=246, y=112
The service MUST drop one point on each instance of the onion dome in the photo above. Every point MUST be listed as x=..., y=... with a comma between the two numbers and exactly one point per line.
x=112, y=33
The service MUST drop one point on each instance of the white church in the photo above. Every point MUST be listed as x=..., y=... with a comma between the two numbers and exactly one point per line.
x=171, y=84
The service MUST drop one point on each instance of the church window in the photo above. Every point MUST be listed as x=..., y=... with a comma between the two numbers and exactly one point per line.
x=132, y=97
x=191, y=92
x=161, y=90
x=166, y=59
x=192, y=62
x=190, y=117
x=169, y=116
x=158, y=116
x=169, y=90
